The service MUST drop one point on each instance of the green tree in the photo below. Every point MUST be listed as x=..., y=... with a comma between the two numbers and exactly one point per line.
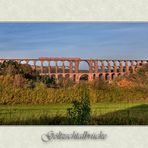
x=48, y=81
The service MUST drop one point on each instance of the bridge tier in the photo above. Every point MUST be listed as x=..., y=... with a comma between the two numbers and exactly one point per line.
x=70, y=67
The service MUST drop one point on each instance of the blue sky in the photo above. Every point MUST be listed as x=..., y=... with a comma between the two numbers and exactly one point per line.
x=84, y=40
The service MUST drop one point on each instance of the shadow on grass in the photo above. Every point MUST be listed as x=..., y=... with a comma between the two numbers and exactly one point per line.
x=42, y=120
x=137, y=115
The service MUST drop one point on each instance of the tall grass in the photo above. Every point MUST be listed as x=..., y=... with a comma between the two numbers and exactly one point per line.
x=40, y=94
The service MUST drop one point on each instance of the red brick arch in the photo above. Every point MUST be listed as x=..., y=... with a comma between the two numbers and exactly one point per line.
x=97, y=68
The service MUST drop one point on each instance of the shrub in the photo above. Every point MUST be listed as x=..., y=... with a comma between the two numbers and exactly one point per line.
x=79, y=114
x=13, y=68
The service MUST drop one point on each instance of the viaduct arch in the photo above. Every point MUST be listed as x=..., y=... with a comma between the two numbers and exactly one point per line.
x=106, y=69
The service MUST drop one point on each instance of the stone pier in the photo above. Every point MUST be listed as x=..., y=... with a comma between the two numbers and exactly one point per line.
x=70, y=67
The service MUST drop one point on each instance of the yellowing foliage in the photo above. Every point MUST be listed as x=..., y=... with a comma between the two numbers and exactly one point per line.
x=124, y=83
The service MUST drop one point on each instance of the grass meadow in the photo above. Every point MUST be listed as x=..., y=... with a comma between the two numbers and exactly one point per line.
x=55, y=114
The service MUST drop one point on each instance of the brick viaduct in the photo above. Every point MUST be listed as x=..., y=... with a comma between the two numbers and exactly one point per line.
x=70, y=67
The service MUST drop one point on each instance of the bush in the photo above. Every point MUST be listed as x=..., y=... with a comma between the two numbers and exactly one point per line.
x=79, y=114
x=13, y=68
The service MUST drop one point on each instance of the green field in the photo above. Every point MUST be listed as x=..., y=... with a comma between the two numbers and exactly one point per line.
x=54, y=114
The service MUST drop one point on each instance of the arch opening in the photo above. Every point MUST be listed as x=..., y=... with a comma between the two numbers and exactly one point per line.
x=83, y=67
x=66, y=63
x=32, y=64
x=113, y=76
x=112, y=66
x=23, y=62
x=73, y=66
x=99, y=66
x=94, y=76
x=84, y=77
x=53, y=76
x=124, y=66
x=74, y=77
x=105, y=66
x=101, y=76
x=38, y=66
x=107, y=76
x=52, y=67
x=60, y=77
x=67, y=76
x=118, y=66
x=45, y=66
x=59, y=64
